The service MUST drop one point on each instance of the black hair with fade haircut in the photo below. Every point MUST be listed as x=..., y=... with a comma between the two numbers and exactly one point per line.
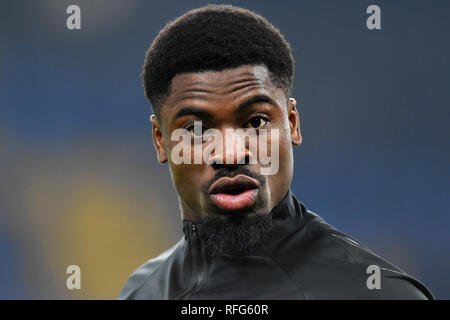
x=214, y=38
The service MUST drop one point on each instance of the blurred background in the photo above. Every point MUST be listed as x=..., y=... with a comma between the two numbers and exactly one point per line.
x=79, y=179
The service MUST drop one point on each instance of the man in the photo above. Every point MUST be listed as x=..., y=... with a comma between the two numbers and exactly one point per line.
x=226, y=69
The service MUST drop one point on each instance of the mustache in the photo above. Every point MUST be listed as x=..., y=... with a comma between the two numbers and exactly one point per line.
x=232, y=172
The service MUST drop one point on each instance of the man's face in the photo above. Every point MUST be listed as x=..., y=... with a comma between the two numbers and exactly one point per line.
x=240, y=98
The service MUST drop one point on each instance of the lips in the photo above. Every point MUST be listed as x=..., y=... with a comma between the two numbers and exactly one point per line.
x=234, y=194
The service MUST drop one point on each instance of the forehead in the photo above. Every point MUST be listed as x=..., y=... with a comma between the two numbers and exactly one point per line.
x=216, y=87
x=220, y=81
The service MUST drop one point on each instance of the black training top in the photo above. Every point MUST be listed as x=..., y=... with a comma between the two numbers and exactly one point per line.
x=305, y=258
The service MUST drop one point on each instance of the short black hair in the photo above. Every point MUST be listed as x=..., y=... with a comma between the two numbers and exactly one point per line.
x=214, y=38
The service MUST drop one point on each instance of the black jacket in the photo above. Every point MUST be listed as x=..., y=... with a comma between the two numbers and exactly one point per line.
x=305, y=258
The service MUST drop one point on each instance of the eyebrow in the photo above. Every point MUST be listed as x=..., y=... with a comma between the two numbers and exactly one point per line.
x=193, y=111
x=188, y=111
x=260, y=98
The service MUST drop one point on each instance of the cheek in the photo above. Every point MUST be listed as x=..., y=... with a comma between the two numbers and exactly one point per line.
x=286, y=155
x=187, y=176
x=281, y=181
x=281, y=144
x=187, y=180
x=285, y=141
x=181, y=174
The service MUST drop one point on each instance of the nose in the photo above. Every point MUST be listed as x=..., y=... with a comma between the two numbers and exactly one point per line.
x=234, y=150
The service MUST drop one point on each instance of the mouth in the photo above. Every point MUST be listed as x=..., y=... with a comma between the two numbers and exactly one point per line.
x=234, y=194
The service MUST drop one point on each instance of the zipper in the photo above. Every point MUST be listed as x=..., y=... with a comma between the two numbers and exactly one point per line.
x=198, y=253
x=198, y=266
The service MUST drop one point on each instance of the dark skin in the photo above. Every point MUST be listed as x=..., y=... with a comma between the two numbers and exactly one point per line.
x=243, y=97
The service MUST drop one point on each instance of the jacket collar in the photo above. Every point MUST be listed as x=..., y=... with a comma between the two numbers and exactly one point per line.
x=286, y=208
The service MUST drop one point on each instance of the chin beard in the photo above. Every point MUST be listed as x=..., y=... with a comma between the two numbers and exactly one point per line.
x=237, y=236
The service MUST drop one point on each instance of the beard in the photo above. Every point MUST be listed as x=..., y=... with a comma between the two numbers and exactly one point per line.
x=237, y=236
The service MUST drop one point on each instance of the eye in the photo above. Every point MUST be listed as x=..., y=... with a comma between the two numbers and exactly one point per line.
x=191, y=129
x=257, y=122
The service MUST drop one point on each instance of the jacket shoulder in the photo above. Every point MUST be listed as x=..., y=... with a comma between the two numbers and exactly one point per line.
x=338, y=246
x=148, y=272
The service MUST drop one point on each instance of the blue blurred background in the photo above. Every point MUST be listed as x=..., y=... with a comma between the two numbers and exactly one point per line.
x=80, y=183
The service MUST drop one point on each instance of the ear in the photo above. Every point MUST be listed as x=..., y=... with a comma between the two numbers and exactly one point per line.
x=158, y=139
x=294, y=123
